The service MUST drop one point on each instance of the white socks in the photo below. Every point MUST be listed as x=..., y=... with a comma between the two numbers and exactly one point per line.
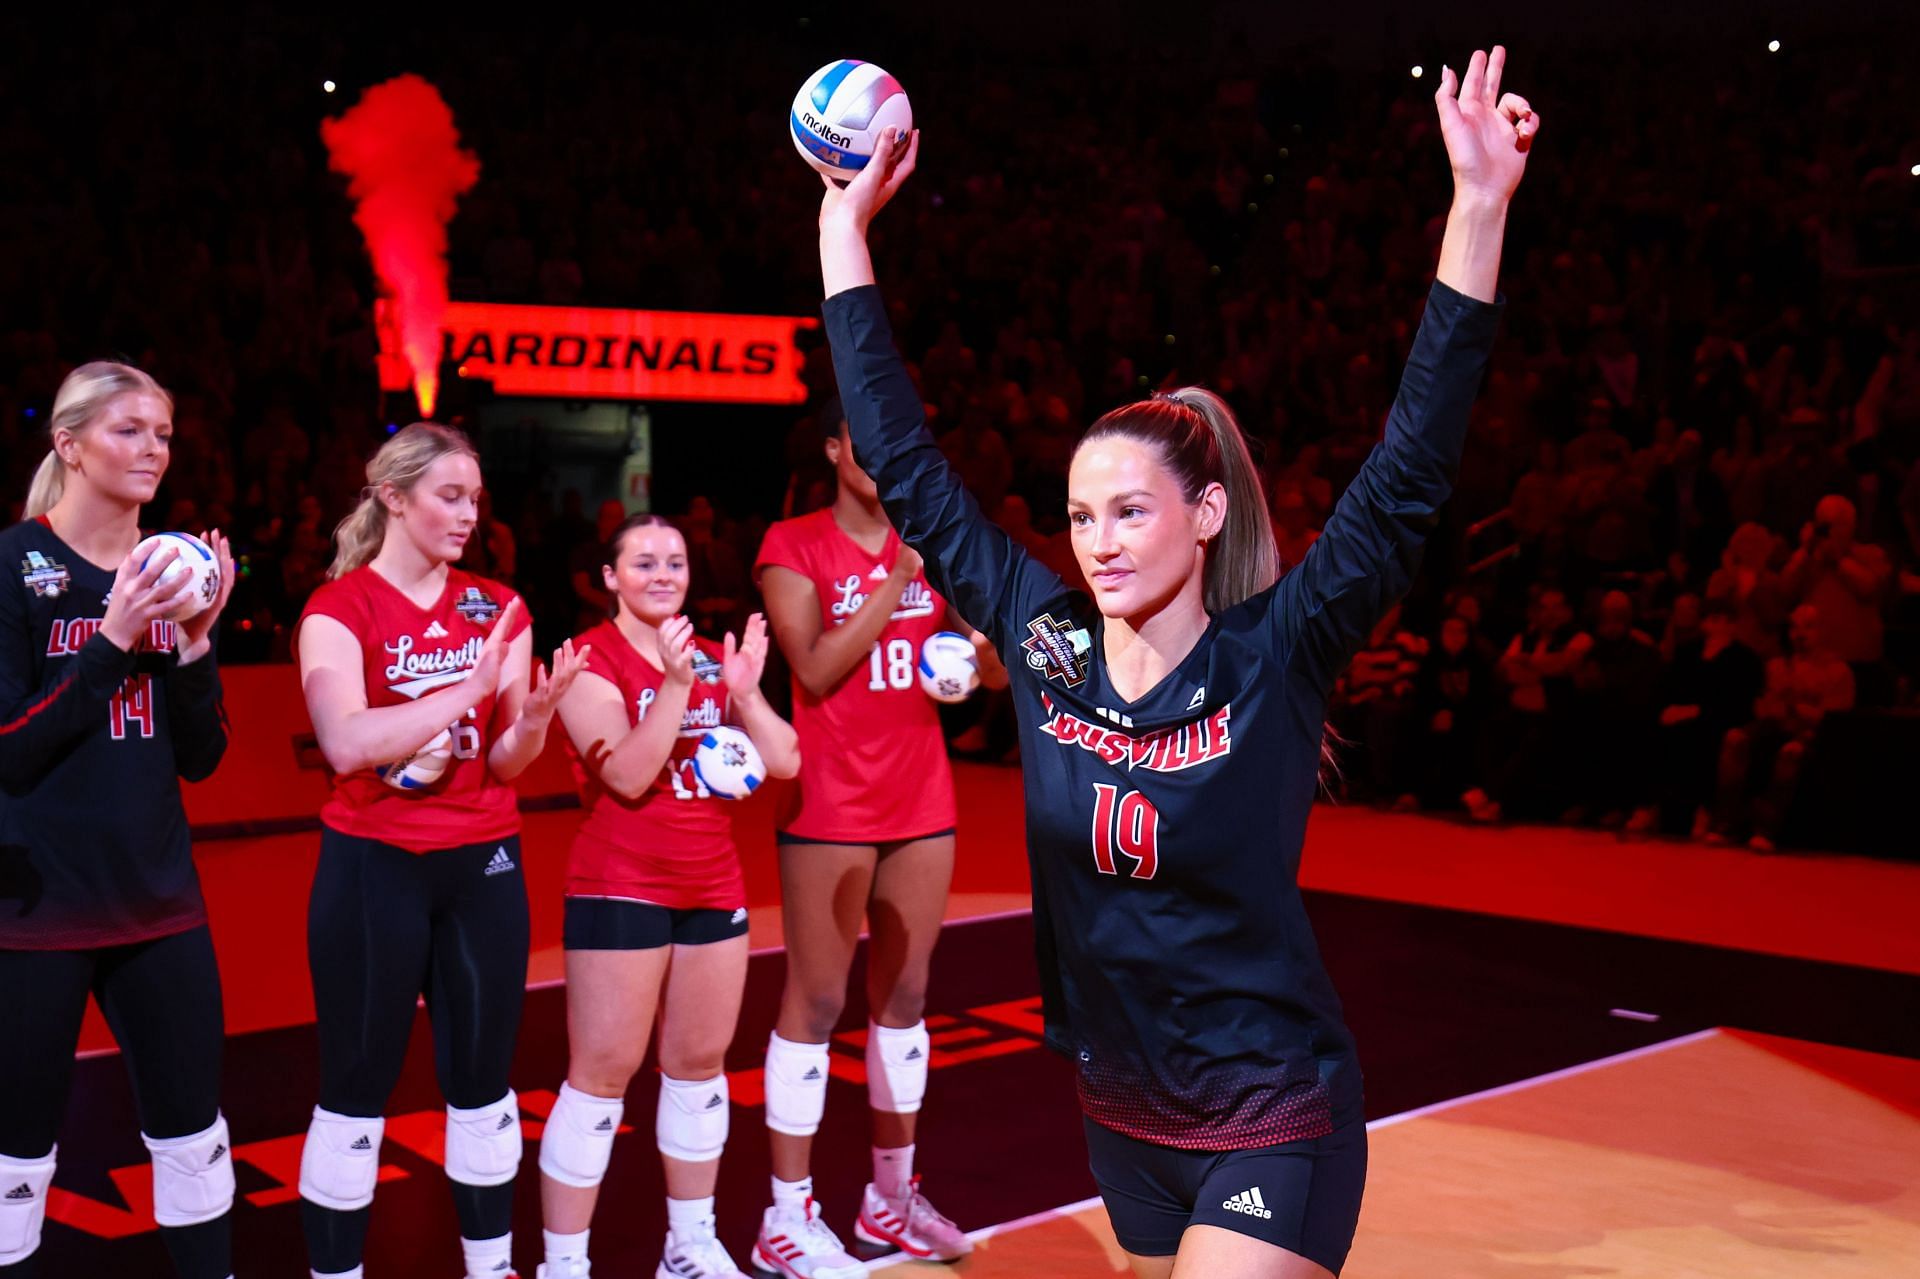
x=893, y=1171
x=488, y=1258
x=790, y=1197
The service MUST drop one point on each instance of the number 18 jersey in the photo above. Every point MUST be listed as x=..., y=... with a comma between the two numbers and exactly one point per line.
x=874, y=764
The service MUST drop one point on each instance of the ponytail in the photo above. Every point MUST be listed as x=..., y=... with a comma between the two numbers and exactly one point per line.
x=400, y=462
x=1201, y=443
x=84, y=394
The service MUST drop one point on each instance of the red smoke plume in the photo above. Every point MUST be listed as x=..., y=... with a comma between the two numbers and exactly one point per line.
x=405, y=168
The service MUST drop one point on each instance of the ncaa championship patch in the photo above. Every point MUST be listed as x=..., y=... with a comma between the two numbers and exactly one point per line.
x=48, y=578
x=1058, y=650
x=477, y=606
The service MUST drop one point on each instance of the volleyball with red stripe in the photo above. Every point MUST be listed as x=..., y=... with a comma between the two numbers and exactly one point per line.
x=841, y=112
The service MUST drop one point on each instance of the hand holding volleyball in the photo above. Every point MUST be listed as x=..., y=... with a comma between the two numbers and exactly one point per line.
x=197, y=628
x=1487, y=133
x=854, y=205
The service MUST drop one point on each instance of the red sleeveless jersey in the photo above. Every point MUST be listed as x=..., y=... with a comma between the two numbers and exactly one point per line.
x=874, y=765
x=674, y=845
x=408, y=652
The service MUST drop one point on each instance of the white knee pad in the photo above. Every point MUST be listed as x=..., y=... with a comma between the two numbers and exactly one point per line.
x=796, y=1085
x=192, y=1176
x=483, y=1145
x=341, y=1161
x=578, y=1140
x=23, y=1204
x=692, y=1120
x=897, y=1067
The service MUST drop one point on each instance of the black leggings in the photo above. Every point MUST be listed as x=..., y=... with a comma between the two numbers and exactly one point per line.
x=384, y=927
x=161, y=999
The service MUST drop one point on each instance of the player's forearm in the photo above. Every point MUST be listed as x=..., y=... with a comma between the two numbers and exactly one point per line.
x=1470, y=249
x=637, y=758
x=517, y=748
x=377, y=735
x=837, y=651
x=778, y=744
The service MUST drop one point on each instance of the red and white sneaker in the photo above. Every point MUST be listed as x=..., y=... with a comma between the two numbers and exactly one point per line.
x=912, y=1225
x=803, y=1247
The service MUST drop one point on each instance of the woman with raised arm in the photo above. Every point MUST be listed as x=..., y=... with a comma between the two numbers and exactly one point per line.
x=1171, y=719
x=656, y=911
x=106, y=702
x=419, y=889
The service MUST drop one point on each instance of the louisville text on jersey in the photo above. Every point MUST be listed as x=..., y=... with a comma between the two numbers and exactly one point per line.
x=694, y=722
x=412, y=673
x=70, y=634
x=1164, y=750
x=915, y=601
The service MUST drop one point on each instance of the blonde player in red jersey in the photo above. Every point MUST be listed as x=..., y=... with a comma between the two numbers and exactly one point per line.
x=866, y=834
x=419, y=889
x=656, y=911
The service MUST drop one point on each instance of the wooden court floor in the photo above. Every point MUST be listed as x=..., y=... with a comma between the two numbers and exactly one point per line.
x=1720, y=1155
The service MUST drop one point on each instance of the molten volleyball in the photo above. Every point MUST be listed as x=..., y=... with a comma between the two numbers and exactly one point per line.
x=728, y=764
x=196, y=559
x=949, y=668
x=841, y=112
x=422, y=768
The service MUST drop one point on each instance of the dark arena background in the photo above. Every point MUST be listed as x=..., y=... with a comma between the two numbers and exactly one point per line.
x=1629, y=938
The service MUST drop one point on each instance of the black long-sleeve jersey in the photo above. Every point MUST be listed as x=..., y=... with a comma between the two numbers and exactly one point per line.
x=1177, y=965
x=94, y=848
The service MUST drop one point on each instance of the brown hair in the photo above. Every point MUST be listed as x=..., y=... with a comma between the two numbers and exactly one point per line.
x=401, y=461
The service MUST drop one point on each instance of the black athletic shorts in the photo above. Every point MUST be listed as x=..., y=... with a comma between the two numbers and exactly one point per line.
x=1303, y=1196
x=619, y=923
x=783, y=838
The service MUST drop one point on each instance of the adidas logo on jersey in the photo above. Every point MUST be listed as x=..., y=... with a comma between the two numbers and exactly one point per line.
x=1249, y=1202
x=501, y=863
x=1199, y=696
x=879, y=574
x=362, y=1142
x=434, y=630
x=20, y=1193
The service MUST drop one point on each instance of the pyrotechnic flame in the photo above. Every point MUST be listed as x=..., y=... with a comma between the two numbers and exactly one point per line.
x=406, y=169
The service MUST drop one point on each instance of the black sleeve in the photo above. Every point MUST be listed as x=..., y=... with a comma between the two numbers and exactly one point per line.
x=39, y=720
x=970, y=559
x=196, y=717
x=1365, y=558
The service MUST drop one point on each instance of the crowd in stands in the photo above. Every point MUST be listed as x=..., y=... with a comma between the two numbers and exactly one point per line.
x=1688, y=524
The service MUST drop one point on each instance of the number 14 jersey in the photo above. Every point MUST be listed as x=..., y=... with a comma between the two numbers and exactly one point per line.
x=874, y=764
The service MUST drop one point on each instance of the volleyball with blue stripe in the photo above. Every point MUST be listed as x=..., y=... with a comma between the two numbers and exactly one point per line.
x=728, y=764
x=841, y=112
x=949, y=668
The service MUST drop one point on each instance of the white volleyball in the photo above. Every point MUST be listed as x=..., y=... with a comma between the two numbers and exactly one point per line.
x=422, y=768
x=728, y=764
x=842, y=111
x=949, y=667
x=196, y=559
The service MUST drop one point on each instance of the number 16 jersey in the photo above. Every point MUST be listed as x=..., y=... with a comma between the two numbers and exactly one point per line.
x=874, y=763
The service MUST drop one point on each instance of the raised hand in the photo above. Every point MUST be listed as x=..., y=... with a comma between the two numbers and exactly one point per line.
x=675, y=638
x=1487, y=133
x=907, y=565
x=485, y=675
x=548, y=689
x=742, y=664
x=868, y=193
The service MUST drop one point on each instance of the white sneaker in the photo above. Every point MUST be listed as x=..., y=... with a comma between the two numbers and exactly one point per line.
x=696, y=1255
x=912, y=1225
x=574, y=1268
x=803, y=1247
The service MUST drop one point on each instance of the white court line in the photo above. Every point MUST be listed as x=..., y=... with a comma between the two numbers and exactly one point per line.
x=551, y=982
x=1385, y=1121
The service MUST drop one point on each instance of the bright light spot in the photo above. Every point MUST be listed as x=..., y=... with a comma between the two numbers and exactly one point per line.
x=1419, y=71
x=1915, y=171
x=1773, y=46
x=328, y=86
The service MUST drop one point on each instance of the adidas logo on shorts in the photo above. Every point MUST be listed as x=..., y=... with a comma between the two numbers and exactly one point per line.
x=501, y=863
x=740, y=915
x=1249, y=1202
x=361, y=1143
x=19, y=1193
